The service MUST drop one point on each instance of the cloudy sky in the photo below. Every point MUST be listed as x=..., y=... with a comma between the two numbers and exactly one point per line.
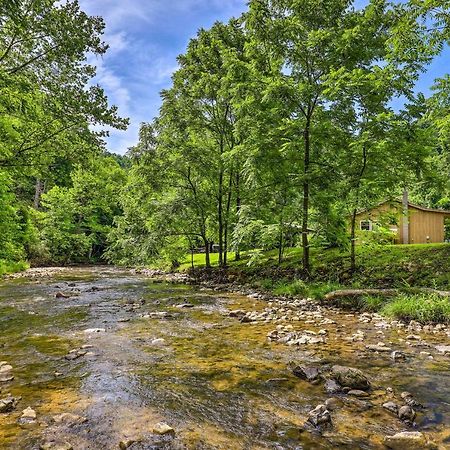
x=145, y=37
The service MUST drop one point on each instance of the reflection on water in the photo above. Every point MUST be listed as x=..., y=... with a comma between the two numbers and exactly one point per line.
x=145, y=352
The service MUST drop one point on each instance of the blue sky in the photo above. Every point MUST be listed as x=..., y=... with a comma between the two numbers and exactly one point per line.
x=145, y=37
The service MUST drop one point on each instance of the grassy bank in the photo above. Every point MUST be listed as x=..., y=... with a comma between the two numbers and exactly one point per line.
x=12, y=267
x=405, y=267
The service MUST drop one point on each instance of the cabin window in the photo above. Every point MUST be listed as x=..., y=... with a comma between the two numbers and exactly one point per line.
x=365, y=225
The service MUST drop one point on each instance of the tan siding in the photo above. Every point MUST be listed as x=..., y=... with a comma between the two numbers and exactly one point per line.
x=422, y=224
x=426, y=226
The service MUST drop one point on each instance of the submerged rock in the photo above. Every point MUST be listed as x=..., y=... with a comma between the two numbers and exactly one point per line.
x=69, y=419
x=380, y=347
x=56, y=445
x=350, y=377
x=411, y=440
x=123, y=445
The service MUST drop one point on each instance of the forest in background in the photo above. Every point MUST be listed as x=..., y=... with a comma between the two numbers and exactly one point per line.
x=278, y=127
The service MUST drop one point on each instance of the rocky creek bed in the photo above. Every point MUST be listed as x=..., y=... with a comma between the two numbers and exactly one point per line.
x=102, y=358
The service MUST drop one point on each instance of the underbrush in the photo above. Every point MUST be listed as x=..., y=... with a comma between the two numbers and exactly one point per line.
x=424, y=308
x=12, y=267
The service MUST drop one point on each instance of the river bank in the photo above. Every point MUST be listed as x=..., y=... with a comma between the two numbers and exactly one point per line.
x=102, y=357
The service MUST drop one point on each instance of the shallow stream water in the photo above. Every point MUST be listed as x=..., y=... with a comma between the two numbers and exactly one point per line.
x=160, y=352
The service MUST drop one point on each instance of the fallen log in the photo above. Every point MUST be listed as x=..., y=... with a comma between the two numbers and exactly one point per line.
x=381, y=292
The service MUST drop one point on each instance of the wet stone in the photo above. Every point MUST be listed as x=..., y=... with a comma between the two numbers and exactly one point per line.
x=319, y=416
x=163, y=428
x=69, y=419
x=411, y=440
x=350, y=377
x=305, y=372
x=357, y=393
x=56, y=445
x=123, y=445
x=332, y=387
x=28, y=416
x=406, y=413
x=391, y=406
x=8, y=404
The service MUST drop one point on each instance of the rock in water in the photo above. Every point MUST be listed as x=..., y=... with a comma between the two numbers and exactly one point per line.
x=406, y=413
x=163, y=428
x=4, y=368
x=8, y=404
x=391, y=406
x=69, y=419
x=319, y=416
x=28, y=416
x=410, y=440
x=305, y=372
x=331, y=387
x=350, y=377
x=54, y=445
x=357, y=393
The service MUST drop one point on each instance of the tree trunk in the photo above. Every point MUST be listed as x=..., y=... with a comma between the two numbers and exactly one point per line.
x=238, y=210
x=353, y=242
x=38, y=191
x=207, y=259
x=280, y=243
x=220, y=217
x=306, y=162
x=227, y=221
x=405, y=217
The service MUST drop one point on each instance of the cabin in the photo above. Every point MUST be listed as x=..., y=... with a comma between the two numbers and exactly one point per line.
x=416, y=225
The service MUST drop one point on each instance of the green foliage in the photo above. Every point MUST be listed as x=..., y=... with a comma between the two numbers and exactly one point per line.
x=7, y=267
x=75, y=221
x=424, y=308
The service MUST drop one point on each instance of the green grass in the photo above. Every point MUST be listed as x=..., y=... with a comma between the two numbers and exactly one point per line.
x=424, y=308
x=12, y=267
x=400, y=266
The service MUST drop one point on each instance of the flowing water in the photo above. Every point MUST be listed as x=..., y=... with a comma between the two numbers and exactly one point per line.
x=218, y=382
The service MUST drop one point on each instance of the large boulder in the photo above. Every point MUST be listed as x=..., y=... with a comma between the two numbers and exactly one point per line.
x=350, y=377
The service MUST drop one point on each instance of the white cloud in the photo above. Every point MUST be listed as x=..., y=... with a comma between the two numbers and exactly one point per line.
x=145, y=37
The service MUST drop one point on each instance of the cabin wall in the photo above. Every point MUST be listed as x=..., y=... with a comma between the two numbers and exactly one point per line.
x=424, y=226
x=381, y=210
